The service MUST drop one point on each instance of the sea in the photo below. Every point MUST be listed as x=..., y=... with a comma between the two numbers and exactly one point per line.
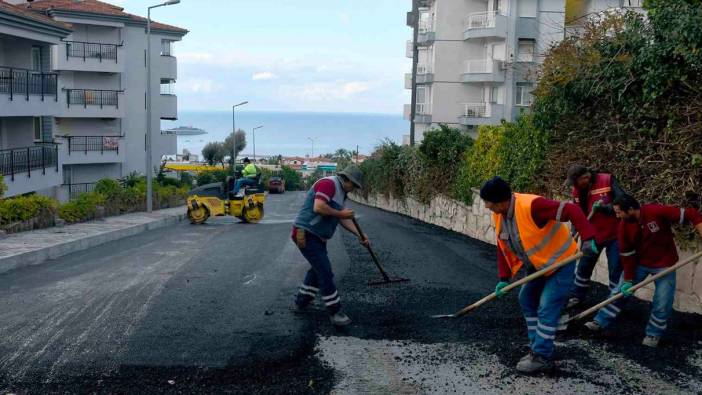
x=292, y=133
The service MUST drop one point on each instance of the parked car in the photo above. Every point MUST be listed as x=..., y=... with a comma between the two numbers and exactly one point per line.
x=276, y=185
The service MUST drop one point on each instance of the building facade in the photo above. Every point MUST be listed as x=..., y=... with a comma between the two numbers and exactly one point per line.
x=478, y=59
x=99, y=127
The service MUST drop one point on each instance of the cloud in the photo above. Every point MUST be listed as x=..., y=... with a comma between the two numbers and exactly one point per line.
x=264, y=76
x=323, y=91
x=345, y=18
x=197, y=85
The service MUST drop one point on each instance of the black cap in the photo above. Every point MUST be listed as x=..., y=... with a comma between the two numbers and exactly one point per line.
x=496, y=190
x=247, y=160
x=575, y=172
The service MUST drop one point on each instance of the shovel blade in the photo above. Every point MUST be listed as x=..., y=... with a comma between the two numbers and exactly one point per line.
x=444, y=316
x=395, y=280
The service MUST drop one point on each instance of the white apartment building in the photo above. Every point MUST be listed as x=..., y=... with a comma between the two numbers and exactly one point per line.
x=100, y=123
x=477, y=59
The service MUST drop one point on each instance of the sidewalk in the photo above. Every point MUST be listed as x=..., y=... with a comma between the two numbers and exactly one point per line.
x=34, y=247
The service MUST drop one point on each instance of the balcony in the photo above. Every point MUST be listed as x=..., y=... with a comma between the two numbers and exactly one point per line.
x=409, y=49
x=87, y=56
x=426, y=34
x=27, y=93
x=168, y=67
x=424, y=75
x=422, y=114
x=482, y=114
x=92, y=103
x=408, y=80
x=485, y=25
x=92, y=149
x=30, y=169
x=483, y=70
x=168, y=106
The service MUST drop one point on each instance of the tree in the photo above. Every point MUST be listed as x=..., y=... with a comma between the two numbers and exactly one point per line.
x=234, y=144
x=213, y=153
x=3, y=188
x=292, y=178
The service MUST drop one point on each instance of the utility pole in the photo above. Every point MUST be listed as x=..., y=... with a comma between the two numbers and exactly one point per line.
x=414, y=18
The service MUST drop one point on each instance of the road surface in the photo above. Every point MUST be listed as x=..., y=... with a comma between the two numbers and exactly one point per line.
x=196, y=309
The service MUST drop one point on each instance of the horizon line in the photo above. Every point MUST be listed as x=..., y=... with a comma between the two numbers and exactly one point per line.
x=295, y=112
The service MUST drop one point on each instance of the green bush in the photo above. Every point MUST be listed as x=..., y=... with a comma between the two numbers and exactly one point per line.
x=481, y=162
x=186, y=179
x=23, y=208
x=108, y=187
x=82, y=208
x=3, y=187
x=293, y=180
x=209, y=177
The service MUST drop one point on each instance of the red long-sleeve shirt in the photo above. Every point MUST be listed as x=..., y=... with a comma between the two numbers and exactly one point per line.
x=649, y=242
x=544, y=210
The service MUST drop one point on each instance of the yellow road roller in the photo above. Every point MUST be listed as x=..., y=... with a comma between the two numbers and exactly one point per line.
x=217, y=200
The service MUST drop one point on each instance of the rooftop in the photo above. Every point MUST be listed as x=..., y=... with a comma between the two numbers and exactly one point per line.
x=23, y=13
x=94, y=7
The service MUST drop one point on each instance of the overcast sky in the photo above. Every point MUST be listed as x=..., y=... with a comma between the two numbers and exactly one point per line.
x=289, y=55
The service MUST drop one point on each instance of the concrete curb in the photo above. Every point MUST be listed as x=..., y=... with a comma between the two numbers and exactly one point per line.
x=41, y=255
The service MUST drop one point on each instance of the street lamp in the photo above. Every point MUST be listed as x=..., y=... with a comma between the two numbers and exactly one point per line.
x=149, y=170
x=233, y=153
x=254, y=140
x=312, y=140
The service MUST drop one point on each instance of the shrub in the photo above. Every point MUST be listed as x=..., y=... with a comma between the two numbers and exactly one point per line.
x=82, y=208
x=481, y=162
x=293, y=180
x=23, y=208
x=108, y=187
x=186, y=179
x=3, y=187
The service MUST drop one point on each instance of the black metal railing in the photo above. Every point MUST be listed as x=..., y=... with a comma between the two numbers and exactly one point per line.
x=29, y=159
x=87, y=50
x=74, y=190
x=87, y=144
x=25, y=82
x=92, y=97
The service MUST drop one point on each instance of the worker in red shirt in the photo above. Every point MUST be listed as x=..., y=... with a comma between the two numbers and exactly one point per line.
x=647, y=247
x=531, y=234
x=594, y=192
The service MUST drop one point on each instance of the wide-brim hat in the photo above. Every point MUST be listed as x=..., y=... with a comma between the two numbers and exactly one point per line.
x=354, y=174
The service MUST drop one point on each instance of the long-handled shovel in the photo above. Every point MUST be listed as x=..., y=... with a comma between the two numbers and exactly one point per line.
x=515, y=284
x=637, y=286
x=386, y=278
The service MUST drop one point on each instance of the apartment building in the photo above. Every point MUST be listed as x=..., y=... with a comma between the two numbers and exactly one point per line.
x=100, y=66
x=478, y=59
x=29, y=99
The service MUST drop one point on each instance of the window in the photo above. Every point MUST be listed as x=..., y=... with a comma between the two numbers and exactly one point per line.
x=38, y=130
x=36, y=58
x=523, y=94
x=167, y=87
x=526, y=51
x=166, y=48
x=421, y=100
x=494, y=94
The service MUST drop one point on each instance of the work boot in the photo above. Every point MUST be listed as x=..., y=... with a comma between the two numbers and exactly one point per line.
x=651, y=341
x=593, y=326
x=572, y=302
x=340, y=319
x=297, y=309
x=534, y=363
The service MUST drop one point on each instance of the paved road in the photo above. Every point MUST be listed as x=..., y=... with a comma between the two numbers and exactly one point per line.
x=204, y=309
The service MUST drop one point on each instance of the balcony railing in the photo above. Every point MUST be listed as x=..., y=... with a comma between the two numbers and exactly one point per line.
x=479, y=66
x=87, y=144
x=87, y=50
x=422, y=109
x=24, y=82
x=476, y=110
x=92, y=97
x=29, y=159
x=480, y=20
x=423, y=69
x=74, y=190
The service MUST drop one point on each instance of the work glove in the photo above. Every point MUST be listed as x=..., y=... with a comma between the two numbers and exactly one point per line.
x=596, y=206
x=626, y=288
x=589, y=248
x=498, y=288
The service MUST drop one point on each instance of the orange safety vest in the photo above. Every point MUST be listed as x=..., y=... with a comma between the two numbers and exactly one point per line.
x=539, y=247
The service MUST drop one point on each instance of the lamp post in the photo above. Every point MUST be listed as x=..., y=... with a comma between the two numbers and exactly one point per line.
x=312, y=140
x=149, y=170
x=233, y=153
x=254, y=140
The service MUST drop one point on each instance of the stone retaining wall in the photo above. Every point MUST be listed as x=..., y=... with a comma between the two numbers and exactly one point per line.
x=476, y=221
